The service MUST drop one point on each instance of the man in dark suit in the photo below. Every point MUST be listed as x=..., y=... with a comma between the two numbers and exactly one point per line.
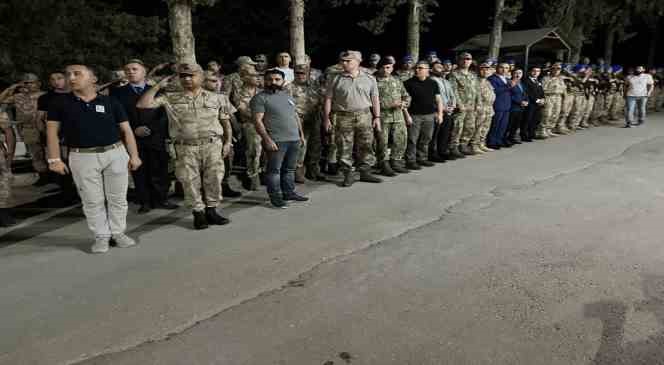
x=535, y=93
x=151, y=180
x=502, y=87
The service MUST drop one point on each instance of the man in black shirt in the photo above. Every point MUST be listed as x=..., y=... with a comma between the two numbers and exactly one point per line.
x=93, y=126
x=535, y=94
x=150, y=127
x=426, y=108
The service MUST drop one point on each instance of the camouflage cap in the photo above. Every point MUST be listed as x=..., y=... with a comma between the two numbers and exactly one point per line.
x=211, y=75
x=465, y=55
x=351, y=55
x=447, y=62
x=375, y=57
x=244, y=60
x=135, y=60
x=557, y=65
x=486, y=64
x=260, y=58
x=29, y=77
x=407, y=58
x=301, y=68
x=189, y=68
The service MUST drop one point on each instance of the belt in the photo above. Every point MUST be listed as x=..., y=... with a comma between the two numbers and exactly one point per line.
x=197, y=142
x=100, y=149
x=361, y=111
x=553, y=94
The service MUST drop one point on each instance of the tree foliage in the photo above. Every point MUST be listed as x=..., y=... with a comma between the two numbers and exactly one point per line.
x=44, y=34
x=385, y=11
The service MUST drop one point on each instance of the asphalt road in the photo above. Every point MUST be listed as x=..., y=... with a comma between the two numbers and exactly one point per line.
x=550, y=253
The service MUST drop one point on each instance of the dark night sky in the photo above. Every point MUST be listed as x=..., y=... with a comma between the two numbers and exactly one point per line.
x=454, y=22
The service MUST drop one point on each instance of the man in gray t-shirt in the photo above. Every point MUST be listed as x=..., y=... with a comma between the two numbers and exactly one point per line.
x=279, y=126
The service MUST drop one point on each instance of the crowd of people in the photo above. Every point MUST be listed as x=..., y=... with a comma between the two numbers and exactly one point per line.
x=288, y=125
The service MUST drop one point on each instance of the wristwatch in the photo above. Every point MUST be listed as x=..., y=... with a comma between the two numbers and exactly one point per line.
x=53, y=160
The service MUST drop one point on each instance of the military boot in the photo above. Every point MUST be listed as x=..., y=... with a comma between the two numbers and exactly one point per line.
x=349, y=179
x=476, y=150
x=200, y=222
x=6, y=219
x=332, y=169
x=228, y=192
x=397, y=166
x=254, y=183
x=456, y=153
x=386, y=169
x=412, y=165
x=213, y=217
x=366, y=176
x=299, y=175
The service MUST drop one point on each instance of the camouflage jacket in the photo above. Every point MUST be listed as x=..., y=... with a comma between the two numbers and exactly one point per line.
x=486, y=96
x=242, y=99
x=466, y=88
x=390, y=90
x=307, y=97
x=554, y=85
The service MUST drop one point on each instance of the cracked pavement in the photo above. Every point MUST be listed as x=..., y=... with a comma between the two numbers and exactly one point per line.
x=549, y=253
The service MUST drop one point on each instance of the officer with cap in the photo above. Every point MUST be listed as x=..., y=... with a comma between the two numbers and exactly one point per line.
x=373, y=63
x=199, y=125
x=233, y=82
x=261, y=63
x=406, y=71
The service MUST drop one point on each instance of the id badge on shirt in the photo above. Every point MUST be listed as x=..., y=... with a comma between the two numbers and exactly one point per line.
x=100, y=109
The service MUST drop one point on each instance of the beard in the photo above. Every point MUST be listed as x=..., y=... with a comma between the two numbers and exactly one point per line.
x=274, y=88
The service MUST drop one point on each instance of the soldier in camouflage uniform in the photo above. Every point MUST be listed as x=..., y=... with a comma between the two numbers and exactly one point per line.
x=7, y=148
x=394, y=101
x=350, y=100
x=579, y=104
x=30, y=122
x=373, y=63
x=233, y=82
x=484, y=112
x=554, y=93
x=565, y=108
x=406, y=71
x=617, y=107
x=306, y=94
x=199, y=125
x=253, y=148
x=466, y=87
x=591, y=85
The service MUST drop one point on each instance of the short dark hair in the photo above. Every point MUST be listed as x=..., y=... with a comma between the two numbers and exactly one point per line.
x=90, y=68
x=274, y=71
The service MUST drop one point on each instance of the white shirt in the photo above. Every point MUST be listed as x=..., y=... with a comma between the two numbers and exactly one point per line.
x=290, y=75
x=638, y=84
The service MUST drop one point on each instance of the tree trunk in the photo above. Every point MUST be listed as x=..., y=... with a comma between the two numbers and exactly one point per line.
x=182, y=35
x=654, y=38
x=413, y=45
x=297, y=47
x=609, y=41
x=496, y=37
x=576, y=44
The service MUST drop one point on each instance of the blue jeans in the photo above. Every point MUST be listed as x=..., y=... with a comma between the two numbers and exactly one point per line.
x=638, y=103
x=281, y=165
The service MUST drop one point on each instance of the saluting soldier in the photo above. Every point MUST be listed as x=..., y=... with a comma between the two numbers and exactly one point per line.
x=199, y=125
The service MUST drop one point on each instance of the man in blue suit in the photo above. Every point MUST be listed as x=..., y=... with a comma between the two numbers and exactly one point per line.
x=502, y=87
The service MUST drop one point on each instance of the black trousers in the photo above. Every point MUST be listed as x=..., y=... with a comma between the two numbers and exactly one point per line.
x=442, y=134
x=151, y=180
x=517, y=122
x=533, y=120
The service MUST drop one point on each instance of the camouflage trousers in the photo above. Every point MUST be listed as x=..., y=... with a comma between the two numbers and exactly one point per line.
x=354, y=130
x=332, y=145
x=33, y=142
x=660, y=99
x=577, y=112
x=311, y=151
x=253, y=149
x=565, y=110
x=460, y=121
x=587, y=110
x=391, y=141
x=193, y=162
x=483, y=119
x=617, y=107
x=553, y=105
x=651, y=105
x=5, y=179
x=597, y=116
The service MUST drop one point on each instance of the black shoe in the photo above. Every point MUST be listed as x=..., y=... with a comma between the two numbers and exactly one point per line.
x=144, y=209
x=314, y=175
x=493, y=146
x=456, y=153
x=426, y=163
x=438, y=159
x=507, y=144
x=200, y=222
x=332, y=169
x=6, y=219
x=278, y=203
x=43, y=179
x=398, y=168
x=213, y=217
x=386, y=169
x=166, y=204
x=627, y=126
x=365, y=176
x=349, y=179
x=228, y=192
x=295, y=197
x=514, y=141
x=412, y=165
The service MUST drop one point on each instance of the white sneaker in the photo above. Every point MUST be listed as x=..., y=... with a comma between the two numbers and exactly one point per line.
x=100, y=245
x=122, y=240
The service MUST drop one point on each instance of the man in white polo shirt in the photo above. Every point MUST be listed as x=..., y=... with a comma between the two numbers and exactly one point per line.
x=638, y=86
